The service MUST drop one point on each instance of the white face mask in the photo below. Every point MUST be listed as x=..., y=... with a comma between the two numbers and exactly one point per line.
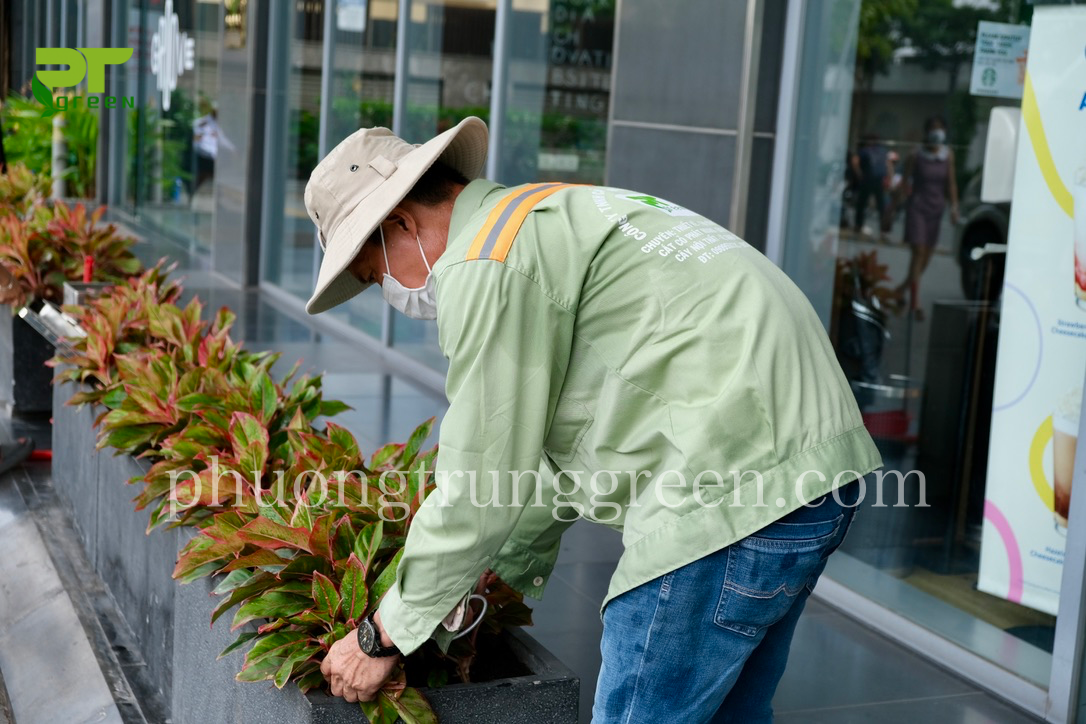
x=417, y=303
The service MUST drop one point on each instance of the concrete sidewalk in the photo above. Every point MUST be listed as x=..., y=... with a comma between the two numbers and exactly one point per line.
x=49, y=670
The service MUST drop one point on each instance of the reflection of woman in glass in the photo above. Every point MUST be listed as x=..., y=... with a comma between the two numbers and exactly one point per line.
x=928, y=181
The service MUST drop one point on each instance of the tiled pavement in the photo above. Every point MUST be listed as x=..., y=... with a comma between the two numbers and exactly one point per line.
x=48, y=666
x=838, y=670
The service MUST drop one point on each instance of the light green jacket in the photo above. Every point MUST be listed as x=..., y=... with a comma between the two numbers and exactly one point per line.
x=621, y=333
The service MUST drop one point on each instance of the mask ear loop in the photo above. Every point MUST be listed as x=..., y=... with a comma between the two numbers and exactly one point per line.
x=388, y=269
x=478, y=619
x=417, y=239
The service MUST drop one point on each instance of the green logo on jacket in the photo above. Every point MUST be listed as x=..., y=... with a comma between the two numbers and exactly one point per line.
x=661, y=205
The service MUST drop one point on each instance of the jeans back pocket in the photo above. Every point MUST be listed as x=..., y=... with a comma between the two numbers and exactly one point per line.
x=766, y=572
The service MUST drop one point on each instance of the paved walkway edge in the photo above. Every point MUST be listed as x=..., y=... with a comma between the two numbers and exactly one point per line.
x=47, y=664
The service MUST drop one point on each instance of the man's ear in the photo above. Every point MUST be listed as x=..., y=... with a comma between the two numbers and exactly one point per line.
x=403, y=219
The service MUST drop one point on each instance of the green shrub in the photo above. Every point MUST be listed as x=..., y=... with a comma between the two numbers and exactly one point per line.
x=48, y=247
x=306, y=561
x=28, y=139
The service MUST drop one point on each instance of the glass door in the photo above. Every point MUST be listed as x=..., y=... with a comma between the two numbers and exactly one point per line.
x=889, y=237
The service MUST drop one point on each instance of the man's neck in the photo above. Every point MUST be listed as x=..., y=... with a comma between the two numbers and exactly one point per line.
x=467, y=201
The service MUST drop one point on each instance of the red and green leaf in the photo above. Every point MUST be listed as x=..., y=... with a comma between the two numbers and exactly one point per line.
x=325, y=595
x=384, y=580
x=353, y=590
x=292, y=662
x=199, y=552
x=249, y=440
x=273, y=604
x=271, y=535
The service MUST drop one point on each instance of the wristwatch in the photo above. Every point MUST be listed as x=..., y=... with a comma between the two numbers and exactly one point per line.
x=369, y=639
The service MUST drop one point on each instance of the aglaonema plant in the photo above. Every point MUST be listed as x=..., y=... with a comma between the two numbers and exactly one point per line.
x=48, y=246
x=115, y=323
x=306, y=569
x=180, y=392
x=302, y=529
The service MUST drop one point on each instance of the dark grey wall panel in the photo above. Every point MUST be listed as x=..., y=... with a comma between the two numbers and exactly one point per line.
x=691, y=169
x=761, y=173
x=769, y=66
x=679, y=63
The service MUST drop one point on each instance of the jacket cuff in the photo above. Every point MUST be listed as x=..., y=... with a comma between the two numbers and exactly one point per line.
x=409, y=627
x=443, y=638
x=522, y=570
x=402, y=624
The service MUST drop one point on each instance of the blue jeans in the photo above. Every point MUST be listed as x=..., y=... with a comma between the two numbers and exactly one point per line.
x=708, y=642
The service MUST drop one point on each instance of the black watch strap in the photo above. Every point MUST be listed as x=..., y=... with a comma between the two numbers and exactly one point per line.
x=374, y=647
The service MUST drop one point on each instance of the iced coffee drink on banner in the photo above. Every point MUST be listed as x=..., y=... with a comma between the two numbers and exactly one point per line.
x=1064, y=439
x=1078, y=192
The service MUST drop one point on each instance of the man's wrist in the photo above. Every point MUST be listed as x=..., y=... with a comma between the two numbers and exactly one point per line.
x=386, y=641
x=371, y=639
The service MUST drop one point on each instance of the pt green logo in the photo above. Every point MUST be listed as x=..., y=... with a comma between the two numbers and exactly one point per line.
x=660, y=204
x=89, y=63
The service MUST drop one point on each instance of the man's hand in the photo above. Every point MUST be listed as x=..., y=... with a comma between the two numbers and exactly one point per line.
x=354, y=675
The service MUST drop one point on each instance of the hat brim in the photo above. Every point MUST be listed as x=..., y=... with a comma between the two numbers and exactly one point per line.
x=462, y=147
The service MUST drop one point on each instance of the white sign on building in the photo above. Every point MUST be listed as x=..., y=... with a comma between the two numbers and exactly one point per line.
x=172, y=53
x=999, y=60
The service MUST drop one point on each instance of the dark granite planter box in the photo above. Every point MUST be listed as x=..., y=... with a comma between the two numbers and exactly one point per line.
x=23, y=352
x=135, y=566
x=205, y=690
x=170, y=621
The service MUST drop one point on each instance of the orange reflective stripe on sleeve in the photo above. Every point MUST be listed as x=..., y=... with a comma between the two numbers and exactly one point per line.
x=495, y=215
x=504, y=221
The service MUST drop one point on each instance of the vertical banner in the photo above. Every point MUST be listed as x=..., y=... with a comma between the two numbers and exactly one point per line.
x=1042, y=338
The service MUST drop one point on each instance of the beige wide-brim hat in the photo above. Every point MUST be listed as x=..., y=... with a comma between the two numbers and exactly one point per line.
x=361, y=181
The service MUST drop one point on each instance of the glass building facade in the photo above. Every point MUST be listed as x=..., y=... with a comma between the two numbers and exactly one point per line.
x=768, y=116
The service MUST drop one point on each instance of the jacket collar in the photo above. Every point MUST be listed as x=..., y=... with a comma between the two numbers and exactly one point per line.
x=468, y=202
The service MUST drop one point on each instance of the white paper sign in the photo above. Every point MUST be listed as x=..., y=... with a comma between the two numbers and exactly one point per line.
x=999, y=60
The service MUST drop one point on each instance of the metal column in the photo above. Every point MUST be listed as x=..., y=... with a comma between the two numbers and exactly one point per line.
x=328, y=54
x=786, y=124
x=744, y=137
x=498, y=81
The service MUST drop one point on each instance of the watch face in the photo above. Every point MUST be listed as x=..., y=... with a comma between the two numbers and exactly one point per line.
x=366, y=637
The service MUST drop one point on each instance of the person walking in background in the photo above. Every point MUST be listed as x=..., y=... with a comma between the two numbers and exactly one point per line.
x=928, y=181
x=207, y=137
x=873, y=170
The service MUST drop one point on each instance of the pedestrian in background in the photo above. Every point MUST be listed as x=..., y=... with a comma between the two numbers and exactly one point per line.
x=873, y=171
x=928, y=182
